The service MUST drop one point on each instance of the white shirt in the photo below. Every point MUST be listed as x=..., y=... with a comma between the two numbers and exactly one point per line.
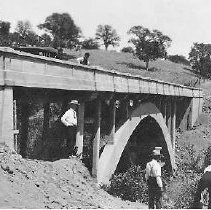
x=69, y=118
x=79, y=60
x=153, y=169
x=207, y=169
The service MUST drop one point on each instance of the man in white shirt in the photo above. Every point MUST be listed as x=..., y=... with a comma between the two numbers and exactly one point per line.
x=204, y=182
x=69, y=119
x=84, y=60
x=154, y=181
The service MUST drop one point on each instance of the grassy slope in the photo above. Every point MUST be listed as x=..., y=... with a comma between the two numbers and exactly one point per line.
x=126, y=62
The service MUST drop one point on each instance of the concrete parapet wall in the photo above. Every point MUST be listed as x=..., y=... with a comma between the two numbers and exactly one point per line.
x=24, y=69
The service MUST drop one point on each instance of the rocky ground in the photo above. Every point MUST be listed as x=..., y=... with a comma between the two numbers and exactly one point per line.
x=65, y=183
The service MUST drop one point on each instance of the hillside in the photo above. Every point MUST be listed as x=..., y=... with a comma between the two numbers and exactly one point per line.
x=125, y=62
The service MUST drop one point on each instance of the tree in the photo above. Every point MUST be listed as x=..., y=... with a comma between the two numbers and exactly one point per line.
x=24, y=34
x=90, y=44
x=4, y=33
x=200, y=60
x=32, y=39
x=15, y=39
x=45, y=40
x=107, y=35
x=63, y=29
x=149, y=45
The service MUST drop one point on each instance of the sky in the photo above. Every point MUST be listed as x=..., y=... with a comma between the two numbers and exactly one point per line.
x=184, y=21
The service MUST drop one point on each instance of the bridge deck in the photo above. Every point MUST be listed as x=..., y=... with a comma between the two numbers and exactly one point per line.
x=27, y=70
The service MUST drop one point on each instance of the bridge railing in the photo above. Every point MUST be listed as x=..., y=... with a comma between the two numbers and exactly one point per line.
x=24, y=69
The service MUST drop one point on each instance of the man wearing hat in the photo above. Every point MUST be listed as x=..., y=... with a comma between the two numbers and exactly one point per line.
x=154, y=181
x=69, y=119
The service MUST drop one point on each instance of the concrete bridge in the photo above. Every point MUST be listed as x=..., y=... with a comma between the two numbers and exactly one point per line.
x=140, y=113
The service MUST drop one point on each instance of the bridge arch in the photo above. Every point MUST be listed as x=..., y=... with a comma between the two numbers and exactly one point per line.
x=112, y=153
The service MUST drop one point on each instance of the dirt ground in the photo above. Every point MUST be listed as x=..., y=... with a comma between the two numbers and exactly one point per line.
x=65, y=183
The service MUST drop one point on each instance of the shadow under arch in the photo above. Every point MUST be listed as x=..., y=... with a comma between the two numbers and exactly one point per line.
x=146, y=136
x=112, y=153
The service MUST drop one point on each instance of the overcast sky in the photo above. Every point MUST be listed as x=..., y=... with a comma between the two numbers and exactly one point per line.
x=184, y=21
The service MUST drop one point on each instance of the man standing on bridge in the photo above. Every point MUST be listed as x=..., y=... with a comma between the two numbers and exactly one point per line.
x=154, y=181
x=69, y=119
x=84, y=60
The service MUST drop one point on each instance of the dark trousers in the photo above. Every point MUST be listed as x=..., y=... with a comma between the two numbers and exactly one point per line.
x=71, y=139
x=155, y=194
x=204, y=182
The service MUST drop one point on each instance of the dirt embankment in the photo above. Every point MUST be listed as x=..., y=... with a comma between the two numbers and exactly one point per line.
x=65, y=183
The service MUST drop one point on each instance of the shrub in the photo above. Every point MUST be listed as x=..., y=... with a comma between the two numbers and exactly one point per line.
x=185, y=190
x=182, y=188
x=90, y=44
x=179, y=59
x=129, y=185
x=127, y=50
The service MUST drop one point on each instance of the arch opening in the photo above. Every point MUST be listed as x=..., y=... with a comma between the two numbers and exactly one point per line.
x=146, y=136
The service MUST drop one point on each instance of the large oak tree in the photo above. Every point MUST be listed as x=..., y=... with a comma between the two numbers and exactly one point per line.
x=149, y=45
x=107, y=35
x=4, y=33
x=200, y=59
x=63, y=29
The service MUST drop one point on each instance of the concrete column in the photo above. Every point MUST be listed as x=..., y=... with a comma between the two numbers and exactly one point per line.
x=168, y=116
x=6, y=117
x=173, y=124
x=16, y=132
x=46, y=120
x=195, y=111
x=112, y=121
x=96, y=142
x=80, y=129
x=165, y=109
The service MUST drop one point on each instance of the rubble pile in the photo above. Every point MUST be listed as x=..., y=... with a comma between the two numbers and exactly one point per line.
x=65, y=183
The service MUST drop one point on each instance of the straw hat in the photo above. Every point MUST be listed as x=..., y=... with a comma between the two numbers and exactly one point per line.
x=74, y=102
x=156, y=151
